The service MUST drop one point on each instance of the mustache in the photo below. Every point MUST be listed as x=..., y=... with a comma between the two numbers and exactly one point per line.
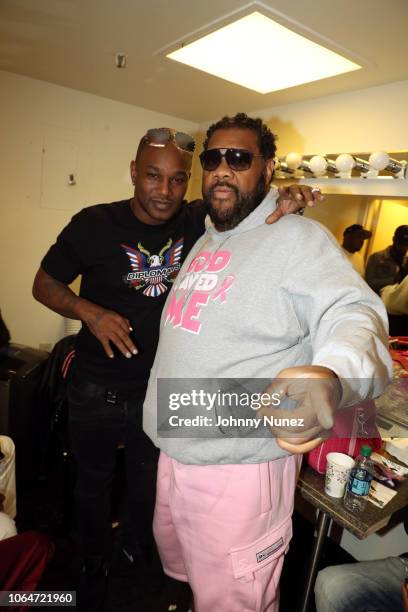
x=211, y=190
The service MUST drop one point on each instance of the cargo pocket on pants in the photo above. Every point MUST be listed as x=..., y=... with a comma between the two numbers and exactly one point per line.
x=261, y=563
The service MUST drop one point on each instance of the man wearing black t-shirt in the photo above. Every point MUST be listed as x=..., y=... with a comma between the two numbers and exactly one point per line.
x=128, y=254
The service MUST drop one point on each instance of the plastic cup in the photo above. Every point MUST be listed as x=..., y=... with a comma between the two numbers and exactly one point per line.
x=337, y=473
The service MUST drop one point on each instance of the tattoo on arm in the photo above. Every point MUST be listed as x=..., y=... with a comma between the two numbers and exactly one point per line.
x=57, y=296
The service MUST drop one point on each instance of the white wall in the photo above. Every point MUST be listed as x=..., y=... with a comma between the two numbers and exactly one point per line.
x=362, y=121
x=103, y=136
x=359, y=121
x=98, y=137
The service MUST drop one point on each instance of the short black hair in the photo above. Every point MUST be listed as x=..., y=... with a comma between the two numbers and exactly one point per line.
x=356, y=228
x=266, y=139
x=401, y=233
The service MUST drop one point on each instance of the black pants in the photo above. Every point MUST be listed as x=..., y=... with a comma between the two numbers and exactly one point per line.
x=99, y=419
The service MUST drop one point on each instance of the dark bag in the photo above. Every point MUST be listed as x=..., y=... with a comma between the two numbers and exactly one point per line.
x=4, y=334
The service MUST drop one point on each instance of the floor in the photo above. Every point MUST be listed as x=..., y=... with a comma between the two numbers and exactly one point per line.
x=128, y=591
x=48, y=508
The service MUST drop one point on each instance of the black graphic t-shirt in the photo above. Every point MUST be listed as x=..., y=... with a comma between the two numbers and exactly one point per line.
x=127, y=267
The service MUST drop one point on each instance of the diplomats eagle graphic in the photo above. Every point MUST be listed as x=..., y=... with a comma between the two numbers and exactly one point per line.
x=151, y=272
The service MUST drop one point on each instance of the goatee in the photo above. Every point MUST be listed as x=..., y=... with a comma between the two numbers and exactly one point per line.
x=230, y=217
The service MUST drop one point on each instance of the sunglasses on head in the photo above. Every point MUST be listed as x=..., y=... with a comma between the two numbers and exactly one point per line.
x=237, y=159
x=159, y=137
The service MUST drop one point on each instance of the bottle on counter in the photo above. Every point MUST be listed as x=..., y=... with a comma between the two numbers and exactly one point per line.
x=359, y=483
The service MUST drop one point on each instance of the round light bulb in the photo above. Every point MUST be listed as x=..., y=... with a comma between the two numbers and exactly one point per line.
x=318, y=164
x=379, y=160
x=293, y=160
x=344, y=162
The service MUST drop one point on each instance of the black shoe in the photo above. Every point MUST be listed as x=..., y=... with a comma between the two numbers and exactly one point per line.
x=93, y=586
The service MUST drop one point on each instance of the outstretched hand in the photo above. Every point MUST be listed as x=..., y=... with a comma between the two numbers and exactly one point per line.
x=317, y=391
x=294, y=198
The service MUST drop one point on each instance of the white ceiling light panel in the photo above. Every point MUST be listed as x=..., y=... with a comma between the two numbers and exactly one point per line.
x=263, y=55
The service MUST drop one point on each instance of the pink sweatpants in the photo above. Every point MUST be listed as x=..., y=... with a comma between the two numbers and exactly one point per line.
x=225, y=529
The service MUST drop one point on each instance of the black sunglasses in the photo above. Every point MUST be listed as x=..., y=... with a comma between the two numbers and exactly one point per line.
x=159, y=137
x=237, y=159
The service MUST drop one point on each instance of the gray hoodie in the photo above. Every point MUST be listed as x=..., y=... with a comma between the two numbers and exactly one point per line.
x=254, y=300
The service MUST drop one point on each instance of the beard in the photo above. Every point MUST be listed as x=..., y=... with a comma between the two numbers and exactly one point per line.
x=230, y=217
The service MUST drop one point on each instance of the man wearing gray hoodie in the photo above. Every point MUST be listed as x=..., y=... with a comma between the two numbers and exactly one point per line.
x=249, y=304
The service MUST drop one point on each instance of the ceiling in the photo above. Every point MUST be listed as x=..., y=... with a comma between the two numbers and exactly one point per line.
x=74, y=43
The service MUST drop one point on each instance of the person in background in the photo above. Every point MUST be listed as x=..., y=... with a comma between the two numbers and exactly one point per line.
x=395, y=298
x=23, y=559
x=365, y=586
x=384, y=267
x=129, y=254
x=251, y=302
x=353, y=240
x=7, y=524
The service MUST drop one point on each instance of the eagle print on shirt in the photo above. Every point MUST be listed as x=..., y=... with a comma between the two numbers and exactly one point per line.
x=153, y=273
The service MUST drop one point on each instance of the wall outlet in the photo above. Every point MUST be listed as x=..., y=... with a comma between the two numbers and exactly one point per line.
x=45, y=346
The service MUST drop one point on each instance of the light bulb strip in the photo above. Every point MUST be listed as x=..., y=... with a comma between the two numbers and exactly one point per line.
x=305, y=166
x=398, y=168
x=394, y=166
x=361, y=164
x=331, y=165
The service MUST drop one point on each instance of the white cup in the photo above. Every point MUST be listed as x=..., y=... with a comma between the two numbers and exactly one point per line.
x=337, y=473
